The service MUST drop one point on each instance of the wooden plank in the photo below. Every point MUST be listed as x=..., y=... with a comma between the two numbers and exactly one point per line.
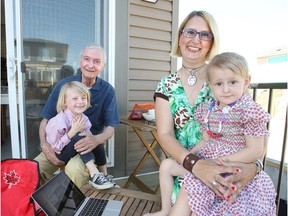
x=139, y=210
x=148, y=207
x=149, y=54
x=149, y=64
x=143, y=95
x=126, y=206
x=153, y=13
x=147, y=43
x=148, y=22
x=143, y=85
x=133, y=207
x=150, y=33
x=147, y=74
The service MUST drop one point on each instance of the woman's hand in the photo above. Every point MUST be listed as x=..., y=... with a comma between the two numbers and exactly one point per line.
x=208, y=171
x=246, y=174
x=50, y=154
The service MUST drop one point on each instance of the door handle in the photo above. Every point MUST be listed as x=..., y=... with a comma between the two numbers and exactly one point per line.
x=11, y=68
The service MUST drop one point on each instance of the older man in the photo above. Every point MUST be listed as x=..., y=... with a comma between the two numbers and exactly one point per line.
x=103, y=115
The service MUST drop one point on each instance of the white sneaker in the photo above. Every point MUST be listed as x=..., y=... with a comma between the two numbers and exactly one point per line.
x=110, y=179
x=100, y=182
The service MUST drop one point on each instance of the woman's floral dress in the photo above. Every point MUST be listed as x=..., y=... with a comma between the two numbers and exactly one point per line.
x=187, y=130
x=244, y=118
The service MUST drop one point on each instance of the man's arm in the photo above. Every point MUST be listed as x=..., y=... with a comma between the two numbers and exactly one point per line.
x=46, y=147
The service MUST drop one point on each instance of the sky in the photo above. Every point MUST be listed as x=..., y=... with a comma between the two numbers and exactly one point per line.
x=248, y=27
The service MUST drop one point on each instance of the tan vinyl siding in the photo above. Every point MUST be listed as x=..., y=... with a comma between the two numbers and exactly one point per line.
x=150, y=41
x=149, y=44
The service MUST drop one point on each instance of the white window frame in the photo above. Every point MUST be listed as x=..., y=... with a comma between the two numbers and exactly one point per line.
x=109, y=46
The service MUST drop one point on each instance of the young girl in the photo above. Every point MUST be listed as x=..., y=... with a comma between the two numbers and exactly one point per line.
x=62, y=131
x=234, y=130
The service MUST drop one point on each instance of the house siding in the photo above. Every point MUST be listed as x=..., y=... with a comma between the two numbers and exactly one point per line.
x=145, y=32
x=150, y=42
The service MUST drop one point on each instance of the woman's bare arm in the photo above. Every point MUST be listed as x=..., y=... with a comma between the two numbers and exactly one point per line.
x=165, y=131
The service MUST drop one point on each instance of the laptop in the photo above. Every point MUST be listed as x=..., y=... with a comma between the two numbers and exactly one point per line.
x=60, y=196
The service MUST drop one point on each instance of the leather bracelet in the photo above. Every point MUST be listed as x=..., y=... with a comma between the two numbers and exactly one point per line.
x=189, y=162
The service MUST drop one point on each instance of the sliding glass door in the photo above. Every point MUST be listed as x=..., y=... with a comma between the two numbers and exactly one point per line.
x=43, y=43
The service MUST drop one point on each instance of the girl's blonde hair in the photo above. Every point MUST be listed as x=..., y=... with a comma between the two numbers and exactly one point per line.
x=75, y=86
x=231, y=61
x=176, y=52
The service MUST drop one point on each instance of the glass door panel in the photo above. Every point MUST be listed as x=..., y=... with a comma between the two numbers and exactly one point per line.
x=54, y=33
x=45, y=39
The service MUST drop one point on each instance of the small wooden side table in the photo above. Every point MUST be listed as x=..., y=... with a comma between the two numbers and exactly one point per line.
x=140, y=126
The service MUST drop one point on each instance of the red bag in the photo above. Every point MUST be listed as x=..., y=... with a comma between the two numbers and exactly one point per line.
x=19, y=179
x=138, y=109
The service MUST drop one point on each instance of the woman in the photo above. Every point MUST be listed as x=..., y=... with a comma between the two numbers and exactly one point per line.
x=176, y=98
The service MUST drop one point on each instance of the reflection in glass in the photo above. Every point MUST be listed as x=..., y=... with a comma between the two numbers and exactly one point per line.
x=54, y=33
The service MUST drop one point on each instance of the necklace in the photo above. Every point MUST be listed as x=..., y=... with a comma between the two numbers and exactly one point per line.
x=192, y=79
x=223, y=117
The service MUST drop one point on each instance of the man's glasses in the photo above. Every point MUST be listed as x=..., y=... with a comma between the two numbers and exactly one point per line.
x=203, y=35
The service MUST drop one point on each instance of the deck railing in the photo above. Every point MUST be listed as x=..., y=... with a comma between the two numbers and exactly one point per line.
x=270, y=93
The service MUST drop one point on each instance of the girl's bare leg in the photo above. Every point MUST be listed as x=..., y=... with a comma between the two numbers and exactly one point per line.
x=181, y=206
x=169, y=168
x=92, y=168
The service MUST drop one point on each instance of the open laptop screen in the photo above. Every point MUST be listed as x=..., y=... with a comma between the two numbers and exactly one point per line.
x=59, y=197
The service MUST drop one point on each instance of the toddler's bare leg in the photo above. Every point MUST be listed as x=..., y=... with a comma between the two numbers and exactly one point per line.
x=169, y=168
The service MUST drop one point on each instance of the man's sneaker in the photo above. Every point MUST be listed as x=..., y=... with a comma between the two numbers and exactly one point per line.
x=110, y=179
x=100, y=182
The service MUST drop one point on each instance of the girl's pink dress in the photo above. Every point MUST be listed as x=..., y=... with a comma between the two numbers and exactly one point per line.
x=257, y=197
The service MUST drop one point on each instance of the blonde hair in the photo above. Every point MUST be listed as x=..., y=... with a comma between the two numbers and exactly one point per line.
x=231, y=61
x=176, y=52
x=75, y=86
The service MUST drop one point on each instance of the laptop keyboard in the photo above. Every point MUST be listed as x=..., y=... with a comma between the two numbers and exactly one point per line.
x=94, y=207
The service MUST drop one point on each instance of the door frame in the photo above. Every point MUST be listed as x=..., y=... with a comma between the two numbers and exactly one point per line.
x=14, y=71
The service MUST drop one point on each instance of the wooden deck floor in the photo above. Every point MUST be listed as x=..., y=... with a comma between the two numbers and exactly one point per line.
x=151, y=180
